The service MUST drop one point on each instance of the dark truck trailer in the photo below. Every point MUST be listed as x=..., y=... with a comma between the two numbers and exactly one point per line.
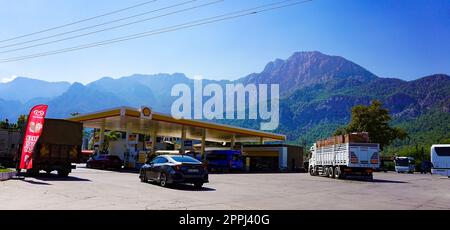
x=58, y=147
x=9, y=143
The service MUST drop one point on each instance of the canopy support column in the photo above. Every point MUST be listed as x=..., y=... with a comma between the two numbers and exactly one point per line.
x=130, y=151
x=154, y=136
x=101, y=139
x=202, y=151
x=183, y=139
x=233, y=141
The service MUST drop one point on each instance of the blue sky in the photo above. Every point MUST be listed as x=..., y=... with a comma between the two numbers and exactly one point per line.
x=406, y=39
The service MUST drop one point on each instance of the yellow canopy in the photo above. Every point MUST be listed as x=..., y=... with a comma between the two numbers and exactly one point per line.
x=140, y=121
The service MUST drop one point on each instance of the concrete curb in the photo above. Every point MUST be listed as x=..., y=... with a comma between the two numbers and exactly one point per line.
x=7, y=175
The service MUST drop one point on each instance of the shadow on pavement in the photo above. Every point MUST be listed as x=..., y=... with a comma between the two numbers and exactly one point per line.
x=377, y=181
x=36, y=182
x=69, y=178
x=187, y=187
x=252, y=173
x=54, y=177
x=130, y=171
x=184, y=187
x=388, y=181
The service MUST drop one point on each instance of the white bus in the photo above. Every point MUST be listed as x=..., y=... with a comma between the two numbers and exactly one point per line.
x=440, y=158
x=405, y=164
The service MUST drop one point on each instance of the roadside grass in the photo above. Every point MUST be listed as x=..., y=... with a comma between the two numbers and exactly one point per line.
x=3, y=170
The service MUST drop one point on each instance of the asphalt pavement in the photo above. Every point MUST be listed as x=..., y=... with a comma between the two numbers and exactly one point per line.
x=97, y=190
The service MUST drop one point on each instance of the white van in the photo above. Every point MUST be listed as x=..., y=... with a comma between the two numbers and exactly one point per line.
x=440, y=158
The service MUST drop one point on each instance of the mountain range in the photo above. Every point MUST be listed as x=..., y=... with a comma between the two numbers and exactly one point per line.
x=317, y=93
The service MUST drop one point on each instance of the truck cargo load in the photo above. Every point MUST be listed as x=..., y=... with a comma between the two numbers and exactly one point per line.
x=345, y=156
x=347, y=138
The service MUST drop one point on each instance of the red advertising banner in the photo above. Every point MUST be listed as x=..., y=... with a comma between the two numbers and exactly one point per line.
x=33, y=132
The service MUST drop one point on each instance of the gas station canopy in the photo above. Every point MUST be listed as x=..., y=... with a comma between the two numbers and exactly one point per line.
x=146, y=121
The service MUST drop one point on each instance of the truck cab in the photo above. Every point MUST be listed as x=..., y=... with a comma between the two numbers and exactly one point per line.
x=311, y=162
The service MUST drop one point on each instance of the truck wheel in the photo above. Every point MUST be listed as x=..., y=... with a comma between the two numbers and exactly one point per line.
x=63, y=173
x=311, y=171
x=326, y=173
x=337, y=173
x=331, y=172
x=33, y=173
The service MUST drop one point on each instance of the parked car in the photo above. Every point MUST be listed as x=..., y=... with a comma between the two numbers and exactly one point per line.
x=173, y=169
x=85, y=155
x=105, y=162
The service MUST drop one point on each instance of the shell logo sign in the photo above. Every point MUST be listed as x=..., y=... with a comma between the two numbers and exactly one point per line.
x=146, y=112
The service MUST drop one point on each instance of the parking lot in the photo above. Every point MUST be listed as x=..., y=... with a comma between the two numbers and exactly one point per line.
x=96, y=189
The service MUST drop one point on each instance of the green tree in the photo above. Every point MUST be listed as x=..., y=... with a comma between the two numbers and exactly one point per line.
x=375, y=120
x=21, y=122
x=5, y=124
x=110, y=136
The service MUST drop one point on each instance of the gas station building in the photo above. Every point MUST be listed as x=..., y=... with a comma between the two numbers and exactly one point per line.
x=144, y=121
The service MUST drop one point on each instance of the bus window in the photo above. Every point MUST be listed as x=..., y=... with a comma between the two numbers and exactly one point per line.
x=442, y=151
